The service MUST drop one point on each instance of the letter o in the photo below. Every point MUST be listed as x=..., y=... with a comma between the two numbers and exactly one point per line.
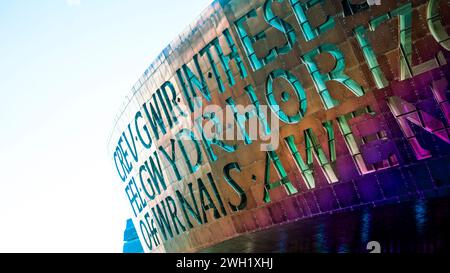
x=149, y=242
x=435, y=26
x=299, y=91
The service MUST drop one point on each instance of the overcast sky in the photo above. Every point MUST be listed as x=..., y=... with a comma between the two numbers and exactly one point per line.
x=65, y=68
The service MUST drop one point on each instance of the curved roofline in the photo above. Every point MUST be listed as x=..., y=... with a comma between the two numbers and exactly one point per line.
x=154, y=65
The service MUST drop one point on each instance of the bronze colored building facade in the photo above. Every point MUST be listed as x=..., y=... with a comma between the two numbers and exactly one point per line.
x=350, y=101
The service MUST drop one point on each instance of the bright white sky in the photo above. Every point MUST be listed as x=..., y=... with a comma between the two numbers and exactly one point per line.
x=65, y=68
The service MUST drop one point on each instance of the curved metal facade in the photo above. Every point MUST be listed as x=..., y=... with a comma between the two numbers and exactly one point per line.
x=357, y=113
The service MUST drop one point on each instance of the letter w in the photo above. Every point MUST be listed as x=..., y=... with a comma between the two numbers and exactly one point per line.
x=162, y=220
